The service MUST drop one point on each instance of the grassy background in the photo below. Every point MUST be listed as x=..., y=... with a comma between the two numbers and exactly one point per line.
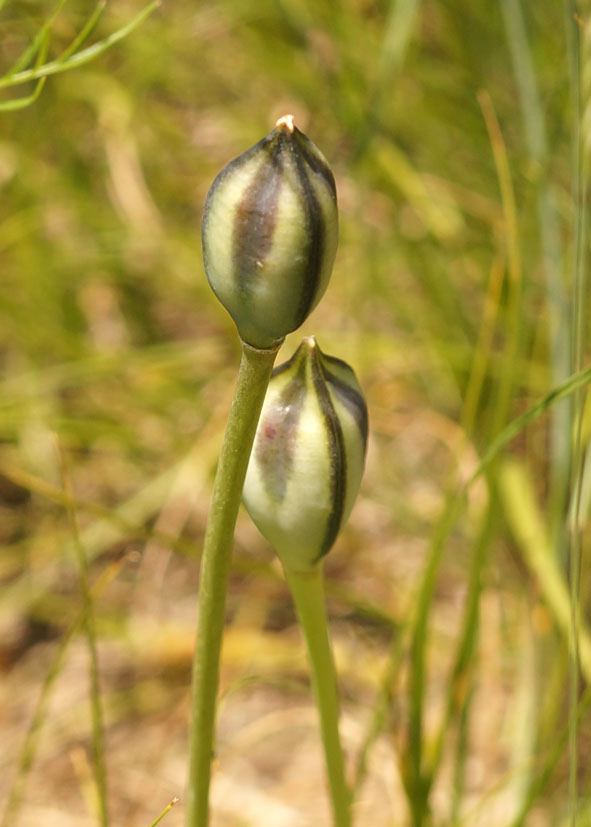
x=458, y=296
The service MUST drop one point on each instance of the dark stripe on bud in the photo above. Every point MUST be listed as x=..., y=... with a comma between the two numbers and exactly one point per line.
x=254, y=224
x=315, y=255
x=353, y=401
x=336, y=453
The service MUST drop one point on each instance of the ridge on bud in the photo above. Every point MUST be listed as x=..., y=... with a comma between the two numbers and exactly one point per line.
x=270, y=233
x=308, y=456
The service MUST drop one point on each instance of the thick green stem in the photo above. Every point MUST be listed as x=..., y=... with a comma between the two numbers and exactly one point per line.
x=253, y=378
x=308, y=595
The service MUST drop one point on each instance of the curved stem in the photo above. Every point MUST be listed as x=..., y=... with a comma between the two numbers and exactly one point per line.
x=253, y=378
x=308, y=594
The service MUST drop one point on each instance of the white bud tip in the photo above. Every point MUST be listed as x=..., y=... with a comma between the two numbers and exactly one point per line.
x=287, y=121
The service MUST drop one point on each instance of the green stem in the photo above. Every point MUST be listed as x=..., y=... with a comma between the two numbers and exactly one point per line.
x=308, y=594
x=253, y=379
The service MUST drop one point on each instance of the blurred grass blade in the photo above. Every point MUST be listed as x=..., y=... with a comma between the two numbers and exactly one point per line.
x=559, y=318
x=578, y=41
x=165, y=811
x=382, y=703
x=82, y=57
x=512, y=321
x=543, y=774
x=533, y=117
x=85, y=31
x=531, y=534
x=27, y=100
x=37, y=45
x=21, y=103
x=517, y=425
x=28, y=751
x=524, y=715
x=398, y=31
x=98, y=745
x=484, y=346
x=458, y=692
x=415, y=779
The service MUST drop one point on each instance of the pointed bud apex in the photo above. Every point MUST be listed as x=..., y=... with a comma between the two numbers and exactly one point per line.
x=307, y=461
x=270, y=233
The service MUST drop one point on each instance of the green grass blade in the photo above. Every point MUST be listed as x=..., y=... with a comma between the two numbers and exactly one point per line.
x=523, y=69
x=415, y=780
x=461, y=673
x=397, y=34
x=85, y=31
x=579, y=61
x=82, y=57
x=382, y=703
x=506, y=379
x=21, y=103
x=559, y=317
x=517, y=425
x=531, y=534
x=419, y=777
x=27, y=100
x=543, y=775
x=37, y=45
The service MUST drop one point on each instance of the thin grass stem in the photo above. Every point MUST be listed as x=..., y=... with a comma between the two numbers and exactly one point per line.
x=514, y=270
x=33, y=733
x=415, y=780
x=541, y=777
x=382, y=703
x=457, y=701
x=560, y=326
x=165, y=812
x=85, y=31
x=577, y=58
x=98, y=743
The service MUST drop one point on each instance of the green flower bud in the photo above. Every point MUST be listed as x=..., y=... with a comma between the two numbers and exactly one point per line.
x=308, y=456
x=270, y=232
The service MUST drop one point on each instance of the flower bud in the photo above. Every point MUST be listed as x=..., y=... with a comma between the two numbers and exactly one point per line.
x=270, y=232
x=307, y=461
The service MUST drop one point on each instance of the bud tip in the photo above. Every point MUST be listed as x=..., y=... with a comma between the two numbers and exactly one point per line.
x=288, y=122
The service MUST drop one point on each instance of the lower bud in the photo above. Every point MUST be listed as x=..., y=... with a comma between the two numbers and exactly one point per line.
x=307, y=461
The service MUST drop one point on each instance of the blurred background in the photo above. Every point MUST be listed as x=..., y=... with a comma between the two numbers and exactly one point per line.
x=458, y=296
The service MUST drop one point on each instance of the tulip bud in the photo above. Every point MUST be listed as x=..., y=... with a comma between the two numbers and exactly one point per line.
x=307, y=461
x=270, y=232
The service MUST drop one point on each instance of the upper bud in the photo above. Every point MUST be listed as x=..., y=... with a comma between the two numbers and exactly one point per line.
x=308, y=456
x=270, y=232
